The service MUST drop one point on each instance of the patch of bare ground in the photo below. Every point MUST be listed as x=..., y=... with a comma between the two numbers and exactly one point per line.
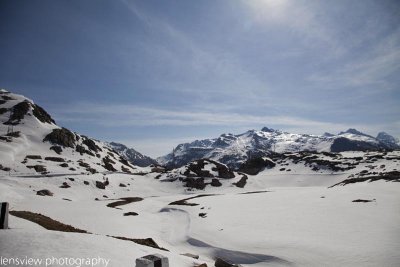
x=53, y=225
x=46, y=222
x=254, y=192
x=144, y=242
x=183, y=202
x=124, y=201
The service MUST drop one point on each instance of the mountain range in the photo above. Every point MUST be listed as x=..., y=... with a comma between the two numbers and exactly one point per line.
x=31, y=140
x=234, y=150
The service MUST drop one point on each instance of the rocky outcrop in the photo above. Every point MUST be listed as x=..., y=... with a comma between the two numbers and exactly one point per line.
x=18, y=112
x=42, y=115
x=196, y=183
x=254, y=165
x=44, y=192
x=224, y=263
x=62, y=137
x=242, y=182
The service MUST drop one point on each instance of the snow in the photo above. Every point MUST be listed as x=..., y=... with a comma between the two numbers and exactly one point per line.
x=294, y=223
x=280, y=218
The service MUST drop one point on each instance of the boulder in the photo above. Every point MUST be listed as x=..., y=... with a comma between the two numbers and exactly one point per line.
x=215, y=182
x=42, y=115
x=44, y=192
x=100, y=185
x=197, y=183
x=242, y=182
x=62, y=137
x=224, y=263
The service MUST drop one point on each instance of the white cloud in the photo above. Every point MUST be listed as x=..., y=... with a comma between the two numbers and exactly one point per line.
x=128, y=116
x=372, y=68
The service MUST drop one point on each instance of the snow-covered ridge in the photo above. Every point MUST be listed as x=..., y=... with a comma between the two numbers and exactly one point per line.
x=233, y=150
x=132, y=155
x=32, y=143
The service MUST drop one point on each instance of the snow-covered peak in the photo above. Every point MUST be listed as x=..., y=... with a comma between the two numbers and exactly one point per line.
x=132, y=155
x=233, y=150
x=31, y=142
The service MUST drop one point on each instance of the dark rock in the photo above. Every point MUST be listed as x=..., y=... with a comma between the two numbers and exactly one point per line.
x=197, y=183
x=84, y=164
x=125, y=169
x=215, y=182
x=86, y=182
x=224, y=263
x=122, y=185
x=3, y=110
x=80, y=149
x=158, y=169
x=71, y=179
x=131, y=213
x=44, y=192
x=91, y=145
x=91, y=170
x=64, y=165
x=242, y=182
x=6, y=97
x=364, y=200
x=56, y=149
x=14, y=134
x=33, y=157
x=56, y=159
x=62, y=137
x=65, y=185
x=254, y=165
x=18, y=113
x=100, y=185
x=108, y=164
x=38, y=168
x=203, y=215
x=42, y=115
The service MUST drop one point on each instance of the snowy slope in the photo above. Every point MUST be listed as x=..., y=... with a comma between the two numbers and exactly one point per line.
x=279, y=218
x=233, y=150
x=32, y=143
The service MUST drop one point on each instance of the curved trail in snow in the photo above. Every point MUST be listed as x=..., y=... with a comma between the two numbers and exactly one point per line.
x=180, y=232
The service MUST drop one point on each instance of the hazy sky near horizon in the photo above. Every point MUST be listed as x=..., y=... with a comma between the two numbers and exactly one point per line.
x=152, y=74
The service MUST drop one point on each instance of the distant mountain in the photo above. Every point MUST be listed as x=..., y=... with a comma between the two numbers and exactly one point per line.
x=388, y=140
x=234, y=150
x=132, y=155
x=31, y=142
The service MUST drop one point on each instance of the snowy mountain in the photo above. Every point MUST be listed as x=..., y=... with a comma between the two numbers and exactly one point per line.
x=388, y=140
x=233, y=150
x=279, y=209
x=32, y=143
x=133, y=156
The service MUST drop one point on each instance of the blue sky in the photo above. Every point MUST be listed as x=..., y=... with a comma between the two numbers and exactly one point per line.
x=153, y=74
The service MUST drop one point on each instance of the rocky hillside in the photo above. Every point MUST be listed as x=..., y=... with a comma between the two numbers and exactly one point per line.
x=133, y=156
x=234, y=150
x=32, y=143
